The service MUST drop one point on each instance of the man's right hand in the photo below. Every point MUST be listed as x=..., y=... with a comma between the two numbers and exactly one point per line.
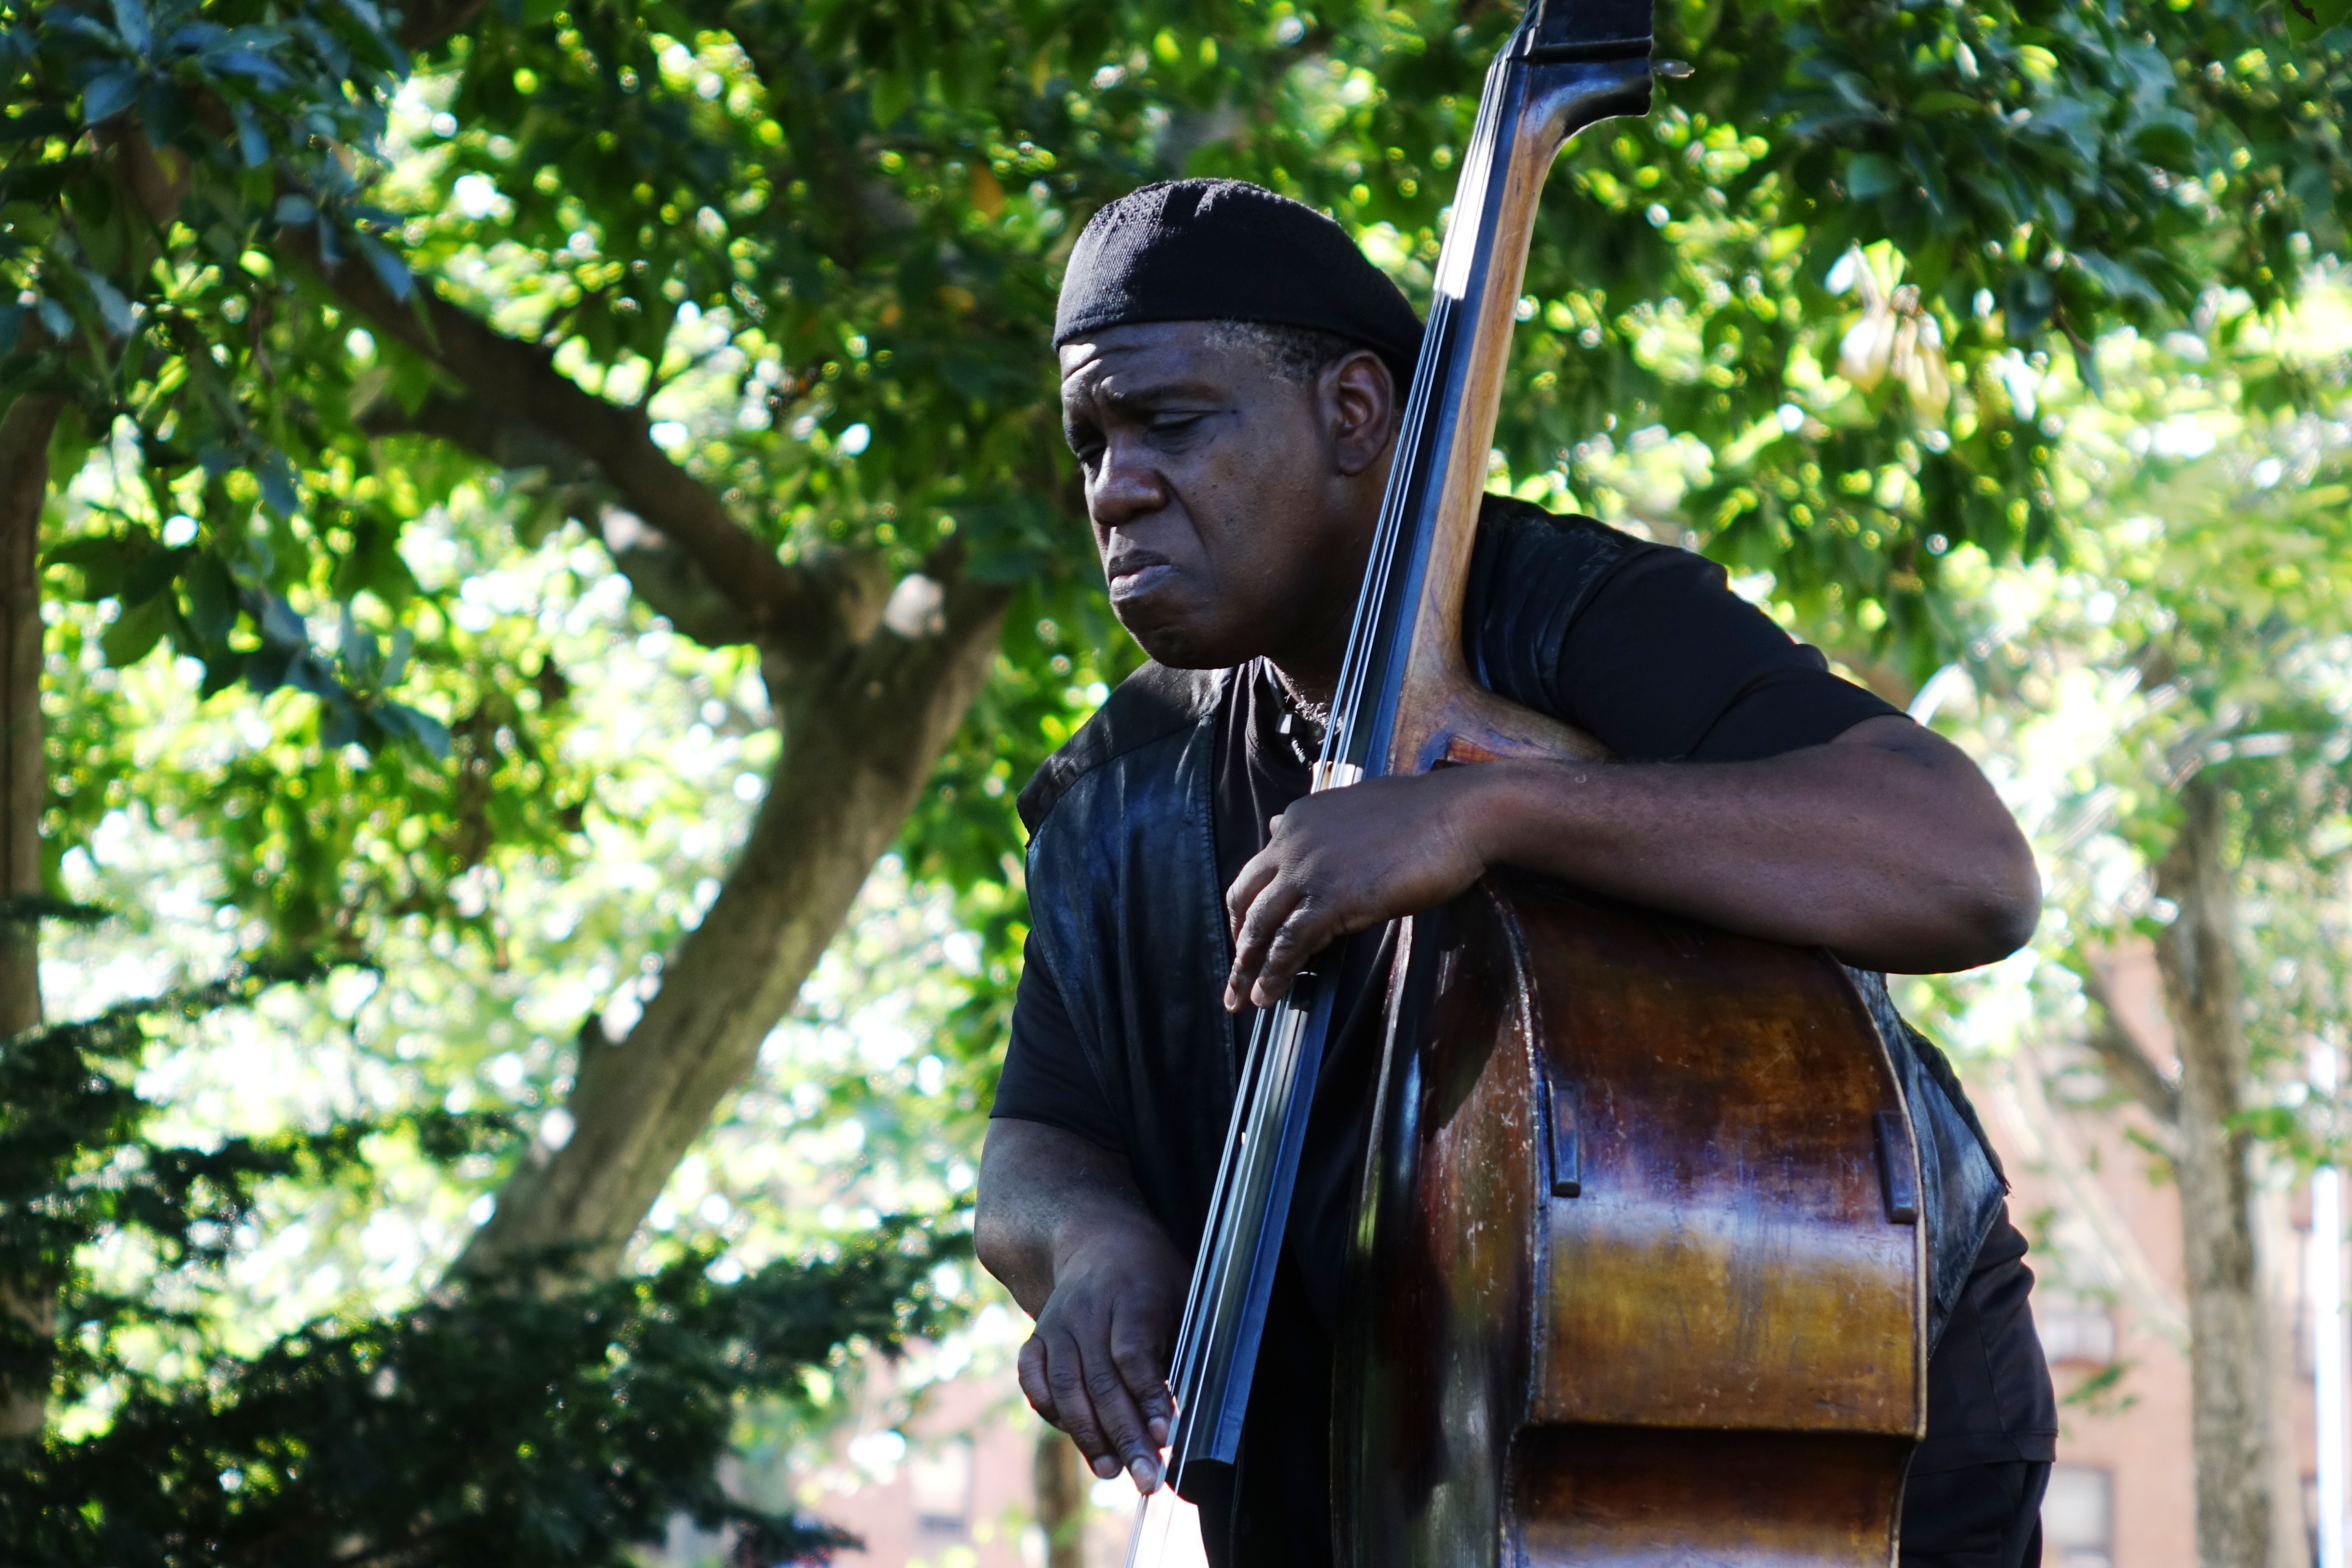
x=1061, y=1224
x=1096, y=1367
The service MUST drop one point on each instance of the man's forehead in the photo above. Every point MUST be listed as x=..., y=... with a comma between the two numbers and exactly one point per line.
x=1123, y=358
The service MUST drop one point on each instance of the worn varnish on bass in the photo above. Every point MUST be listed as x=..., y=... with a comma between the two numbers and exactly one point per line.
x=1636, y=1285
x=1642, y=1275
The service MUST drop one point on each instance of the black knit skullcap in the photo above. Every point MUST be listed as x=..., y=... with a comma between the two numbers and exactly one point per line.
x=1224, y=251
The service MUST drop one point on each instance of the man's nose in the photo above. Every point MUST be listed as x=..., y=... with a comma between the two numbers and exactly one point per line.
x=1127, y=486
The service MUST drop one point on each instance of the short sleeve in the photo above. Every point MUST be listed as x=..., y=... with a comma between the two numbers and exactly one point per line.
x=1046, y=1076
x=1666, y=663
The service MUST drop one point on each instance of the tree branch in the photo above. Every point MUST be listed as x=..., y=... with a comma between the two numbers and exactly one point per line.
x=799, y=614
x=2127, y=1060
x=865, y=733
x=487, y=432
x=663, y=576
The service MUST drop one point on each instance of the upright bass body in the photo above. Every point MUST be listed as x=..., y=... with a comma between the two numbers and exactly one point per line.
x=1641, y=1258
x=1642, y=1273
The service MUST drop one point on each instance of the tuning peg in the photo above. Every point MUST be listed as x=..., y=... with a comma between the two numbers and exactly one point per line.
x=1673, y=70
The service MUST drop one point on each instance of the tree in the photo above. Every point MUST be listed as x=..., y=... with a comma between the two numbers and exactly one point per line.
x=2186, y=685
x=489, y=1426
x=755, y=295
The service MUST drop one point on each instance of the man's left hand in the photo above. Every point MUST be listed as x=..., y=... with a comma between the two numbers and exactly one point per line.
x=1342, y=860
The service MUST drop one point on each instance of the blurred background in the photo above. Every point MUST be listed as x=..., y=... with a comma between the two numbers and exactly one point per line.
x=536, y=552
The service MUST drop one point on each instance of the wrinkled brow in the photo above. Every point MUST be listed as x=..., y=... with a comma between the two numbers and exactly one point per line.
x=1150, y=394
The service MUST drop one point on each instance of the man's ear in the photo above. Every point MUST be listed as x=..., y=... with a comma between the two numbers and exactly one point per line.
x=1360, y=403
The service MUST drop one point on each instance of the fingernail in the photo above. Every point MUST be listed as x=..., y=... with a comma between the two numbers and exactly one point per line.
x=1105, y=1468
x=1146, y=1474
x=1159, y=1433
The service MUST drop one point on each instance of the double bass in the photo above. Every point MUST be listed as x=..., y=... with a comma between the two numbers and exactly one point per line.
x=1639, y=1276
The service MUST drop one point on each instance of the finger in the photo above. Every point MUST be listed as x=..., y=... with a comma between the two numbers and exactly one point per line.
x=1306, y=933
x=1067, y=1378
x=1121, y=1421
x=1261, y=868
x=1143, y=1364
x=1267, y=913
x=1031, y=1369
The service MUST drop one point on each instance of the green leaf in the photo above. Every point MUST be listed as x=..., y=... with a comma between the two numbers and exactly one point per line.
x=2167, y=146
x=212, y=600
x=281, y=624
x=889, y=95
x=376, y=565
x=1945, y=101
x=395, y=658
x=389, y=269
x=2307, y=19
x=363, y=655
x=105, y=561
x=132, y=25
x=251, y=144
x=136, y=630
x=109, y=95
x=2120, y=281
x=111, y=305
x=1872, y=174
x=338, y=720
x=423, y=728
x=2028, y=302
x=275, y=477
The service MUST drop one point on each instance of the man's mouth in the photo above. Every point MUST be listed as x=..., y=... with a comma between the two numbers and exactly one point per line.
x=1133, y=576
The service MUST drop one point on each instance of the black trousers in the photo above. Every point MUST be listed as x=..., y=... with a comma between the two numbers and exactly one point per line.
x=1986, y=1516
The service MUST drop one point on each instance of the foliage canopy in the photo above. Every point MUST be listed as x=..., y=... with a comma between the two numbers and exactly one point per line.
x=351, y=311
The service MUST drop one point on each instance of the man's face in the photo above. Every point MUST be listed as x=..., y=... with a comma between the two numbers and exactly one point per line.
x=1228, y=502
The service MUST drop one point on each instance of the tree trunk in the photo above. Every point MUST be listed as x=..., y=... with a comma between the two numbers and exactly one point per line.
x=862, y=734
x=1060, y=1476
x=865, y=709
x=25, y=433
x=2231, y=1420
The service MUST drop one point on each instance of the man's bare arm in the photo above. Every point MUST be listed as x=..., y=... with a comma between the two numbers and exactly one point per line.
x=1061, y=1223
x=1887, y=846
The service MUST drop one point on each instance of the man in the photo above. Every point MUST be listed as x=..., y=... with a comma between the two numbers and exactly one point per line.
x=1231, y=371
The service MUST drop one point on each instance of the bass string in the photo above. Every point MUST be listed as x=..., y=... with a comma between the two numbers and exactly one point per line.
x=1189, y=1336
x=1155, y=1520
x=1372, y=633
x=1373, y=627
x=1268, y=1079
x=1205, y=1299
x=1274, y=1051
x=1282, y=1028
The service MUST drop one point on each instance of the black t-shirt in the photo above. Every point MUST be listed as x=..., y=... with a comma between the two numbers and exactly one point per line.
x=1664, y=663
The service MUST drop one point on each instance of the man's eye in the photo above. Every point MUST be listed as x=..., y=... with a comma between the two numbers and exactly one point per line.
x=1177, y=425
